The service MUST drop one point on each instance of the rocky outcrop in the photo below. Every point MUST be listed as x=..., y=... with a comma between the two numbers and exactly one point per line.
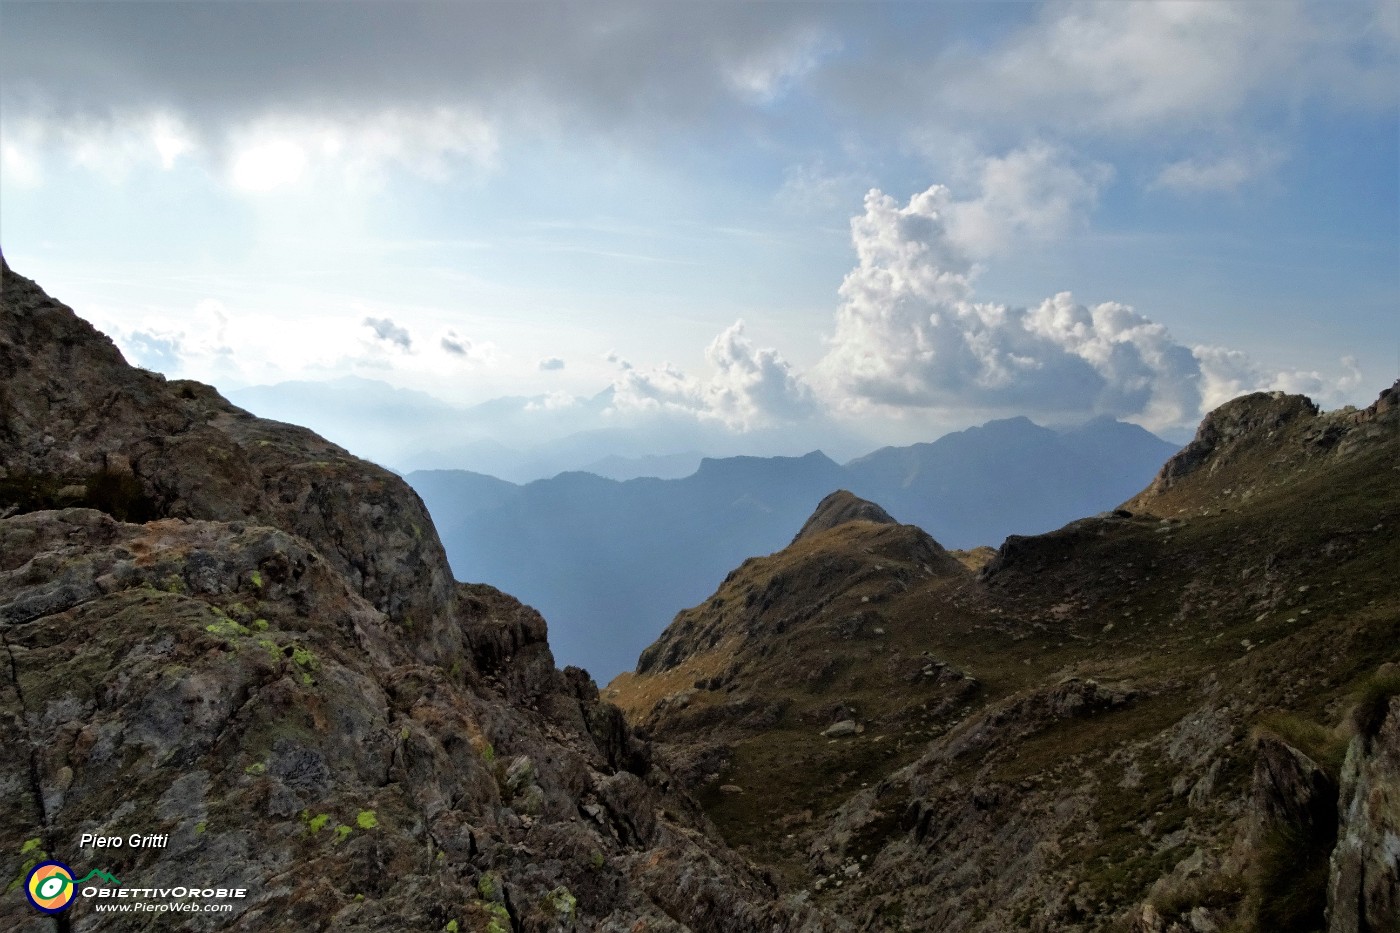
x=251, y=648
x=841, y=507
x=1364, y=885
x=73, y=413
x=1227, y=426
x=1245, y=445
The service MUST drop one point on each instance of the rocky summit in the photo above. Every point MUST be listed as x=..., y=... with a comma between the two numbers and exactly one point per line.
x=841, y=507
x=235, y=659
x=1180, y=716
x=232, y=636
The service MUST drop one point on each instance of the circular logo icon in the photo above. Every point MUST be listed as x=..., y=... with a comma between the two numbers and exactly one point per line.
x=49, y=887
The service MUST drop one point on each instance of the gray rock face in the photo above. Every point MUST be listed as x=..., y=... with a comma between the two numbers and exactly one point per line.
x=272, y=669
x=72, y=409
x=1230, y=423
x=1291, y=791
x=1364, y=887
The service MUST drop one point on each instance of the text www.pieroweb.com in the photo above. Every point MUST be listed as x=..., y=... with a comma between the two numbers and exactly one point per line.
x=122, y=907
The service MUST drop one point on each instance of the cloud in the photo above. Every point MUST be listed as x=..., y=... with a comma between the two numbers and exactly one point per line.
x=910, y=336
x=268, y=165
x=452, y=78
x=386, y=331
x=767, y=73
x=814, y=188
x=1033, y=191
x=553, y=401
x=159, y=352
x=551, y=364
x=1226, y=374
x=20, y=165
x=183, y=345
x=1169, y=64
x=430, y=142
x=112, y=145
x=751, y=388
x=459, y=347
x=614, y=66
x=1223, y=174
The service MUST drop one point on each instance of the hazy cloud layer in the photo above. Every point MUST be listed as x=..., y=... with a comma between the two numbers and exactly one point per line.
x=1221, y=174
x=268, y=91
x=1167, y=64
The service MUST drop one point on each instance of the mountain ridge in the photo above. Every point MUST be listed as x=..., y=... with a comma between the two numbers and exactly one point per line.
x=1176, y=715
x=606, y=569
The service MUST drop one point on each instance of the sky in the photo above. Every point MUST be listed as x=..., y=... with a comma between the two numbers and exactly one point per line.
x=757, y=227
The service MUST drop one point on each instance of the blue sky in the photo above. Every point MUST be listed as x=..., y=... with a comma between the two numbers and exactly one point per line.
x=767, y=227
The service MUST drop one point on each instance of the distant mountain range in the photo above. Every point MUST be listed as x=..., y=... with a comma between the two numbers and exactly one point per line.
x=610, y=563
x=519, y=438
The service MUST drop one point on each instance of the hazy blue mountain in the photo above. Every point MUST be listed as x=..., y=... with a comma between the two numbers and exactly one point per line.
x=1009, y=477
x=461, y=492
x=610, y=563
x=661, y=466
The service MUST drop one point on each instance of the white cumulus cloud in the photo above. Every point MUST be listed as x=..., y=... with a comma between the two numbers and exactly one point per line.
x=909, y=334
x=750, y=388
x=1035, y=191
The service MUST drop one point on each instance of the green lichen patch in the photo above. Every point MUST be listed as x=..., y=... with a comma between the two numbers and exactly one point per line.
x=499, y=919
x=227, y=628
x=315, y=824
x=489, y=887
x=562, y=903
x=366, y=819
x=306, y=661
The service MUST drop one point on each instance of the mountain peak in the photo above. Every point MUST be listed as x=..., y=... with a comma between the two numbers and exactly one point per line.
x=839, y=508
x=1243, y=446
